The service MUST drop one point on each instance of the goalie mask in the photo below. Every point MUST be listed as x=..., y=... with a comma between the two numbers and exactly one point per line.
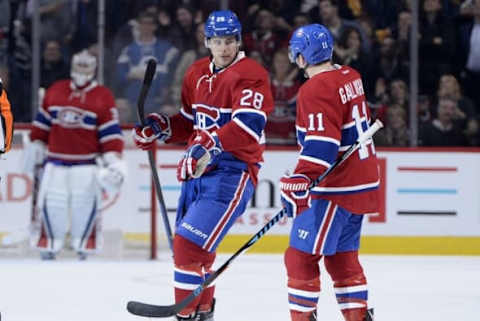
x=83, y=68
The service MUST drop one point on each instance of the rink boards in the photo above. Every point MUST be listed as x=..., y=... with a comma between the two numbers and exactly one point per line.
x=430, y=201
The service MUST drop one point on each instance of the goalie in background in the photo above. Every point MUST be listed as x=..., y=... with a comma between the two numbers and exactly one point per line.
x=76, y=126
x=332, y=113
x=6, y=121
x=225, y=102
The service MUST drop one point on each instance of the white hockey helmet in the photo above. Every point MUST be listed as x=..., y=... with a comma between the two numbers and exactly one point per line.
x=83, y=68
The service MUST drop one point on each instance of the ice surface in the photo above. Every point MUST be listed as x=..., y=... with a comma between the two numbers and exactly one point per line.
x=402, y=288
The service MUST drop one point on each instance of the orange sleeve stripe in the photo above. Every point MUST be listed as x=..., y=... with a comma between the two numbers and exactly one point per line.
x=7, y=119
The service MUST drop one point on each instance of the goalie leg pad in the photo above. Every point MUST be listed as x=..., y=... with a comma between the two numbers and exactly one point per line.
x=303, y=283
x=85, y=196
x=192, y=266
x=53, y=197
x=349, y=283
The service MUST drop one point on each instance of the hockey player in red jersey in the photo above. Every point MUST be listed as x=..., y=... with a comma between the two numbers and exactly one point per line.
x=76, y=126
x=331, y=113
x=225, y=102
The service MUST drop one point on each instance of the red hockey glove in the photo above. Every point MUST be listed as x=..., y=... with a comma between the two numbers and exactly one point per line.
x=295, y=193
x=198, y=156
x=157, y=126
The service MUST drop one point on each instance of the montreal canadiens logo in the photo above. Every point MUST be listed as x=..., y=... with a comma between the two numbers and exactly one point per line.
x=70, y=117
x=206, y=117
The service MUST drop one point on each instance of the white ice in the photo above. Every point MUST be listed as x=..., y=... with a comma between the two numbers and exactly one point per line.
x=402, y=288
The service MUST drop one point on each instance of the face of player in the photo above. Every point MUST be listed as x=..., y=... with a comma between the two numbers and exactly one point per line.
x=223, y=49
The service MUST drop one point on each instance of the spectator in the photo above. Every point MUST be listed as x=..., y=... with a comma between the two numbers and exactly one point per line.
x=472, y=132
x=132, y=63
x=424, y=109
x=395, y=132
x=85, y=28
x=4, y=29
x=388, y=66
x=53, y=65
x=436, y=45
x=443, y=130
x=349, y=51
x=402, y=33
x=187, y=59
x=280, y=128
x=263, y=39
x=469, y=52
x=182, y=34
x=329, y=16
x=449, y=86
x=56, y=18
x=399, y=93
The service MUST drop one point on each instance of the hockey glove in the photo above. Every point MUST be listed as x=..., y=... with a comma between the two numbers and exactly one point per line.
x=34, y=155
x=111, y=173
x=295, y=193
x=157, y=126
x=198, y=156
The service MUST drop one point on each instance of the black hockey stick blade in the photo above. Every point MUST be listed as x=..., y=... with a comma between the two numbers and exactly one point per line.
x=147, y=81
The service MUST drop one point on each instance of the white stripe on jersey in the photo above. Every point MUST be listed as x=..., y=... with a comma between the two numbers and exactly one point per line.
x=351, y=305
x=323, y=139
x=346, y=188
x=307, y=294
x=40, y=125
x=247, y=129
x=350, y=289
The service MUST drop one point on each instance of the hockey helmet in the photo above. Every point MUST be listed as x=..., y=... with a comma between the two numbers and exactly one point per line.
x=83, y=68
x=314, y=42
x=223, y=23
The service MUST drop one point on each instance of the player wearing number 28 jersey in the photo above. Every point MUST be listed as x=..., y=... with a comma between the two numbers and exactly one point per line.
x=225, y=102
x=331, y=114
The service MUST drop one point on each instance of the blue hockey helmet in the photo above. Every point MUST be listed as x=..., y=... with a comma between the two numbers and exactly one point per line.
x=222, y=23
x=314, y=42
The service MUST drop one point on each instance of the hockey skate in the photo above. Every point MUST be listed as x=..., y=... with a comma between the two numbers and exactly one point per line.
x=199, y=316
x=47, y=256
x=207, y=316
x=369, y=315
x=82, y=256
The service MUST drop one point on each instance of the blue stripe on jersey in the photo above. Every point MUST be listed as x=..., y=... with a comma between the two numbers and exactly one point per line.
x=110, y=130
x=89, y=120
x=254, y=121
x=43, y=120
x=305, y=298
x=362, y=295
x=187, y=278
x=323, y=150
x=54, y=114
x=301, y=137
x=350, y=134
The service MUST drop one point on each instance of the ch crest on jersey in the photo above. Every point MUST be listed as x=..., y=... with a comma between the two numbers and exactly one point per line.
x=206, y=117
x=70, y=117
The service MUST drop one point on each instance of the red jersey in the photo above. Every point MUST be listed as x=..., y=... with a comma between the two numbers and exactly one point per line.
x=233, y=102
x=77, y=125
x=332, y=112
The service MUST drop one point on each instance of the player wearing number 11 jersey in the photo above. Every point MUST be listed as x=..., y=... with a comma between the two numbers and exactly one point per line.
x=331, y=113
x=225, y=102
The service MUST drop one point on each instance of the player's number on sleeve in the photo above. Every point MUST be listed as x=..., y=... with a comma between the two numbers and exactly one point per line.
x=251, y=98
x=315, y=122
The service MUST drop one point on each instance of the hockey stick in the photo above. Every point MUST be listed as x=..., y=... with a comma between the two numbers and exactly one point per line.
x=163, y=311
x=147, y=81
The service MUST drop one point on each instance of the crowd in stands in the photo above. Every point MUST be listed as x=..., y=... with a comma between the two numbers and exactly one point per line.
x=372, y=36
